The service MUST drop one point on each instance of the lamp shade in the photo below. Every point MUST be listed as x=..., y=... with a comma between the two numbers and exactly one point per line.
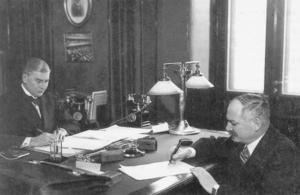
x=164, y=88
x=198, y=82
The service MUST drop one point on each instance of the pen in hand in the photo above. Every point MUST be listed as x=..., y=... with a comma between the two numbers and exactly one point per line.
x=182, y=142
x=40, y=131
x=174, y=152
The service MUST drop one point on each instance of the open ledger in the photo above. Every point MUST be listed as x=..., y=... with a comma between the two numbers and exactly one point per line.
x=92, y=140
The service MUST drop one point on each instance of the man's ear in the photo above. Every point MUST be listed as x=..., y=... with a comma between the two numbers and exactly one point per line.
x=24, y=78
x=257, y=123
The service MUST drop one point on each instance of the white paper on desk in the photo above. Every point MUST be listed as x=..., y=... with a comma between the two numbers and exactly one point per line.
x=110, y=134
x=84, y=143
x=163, y=127
x=100, y=135
x=155, y=170
x=128, y=130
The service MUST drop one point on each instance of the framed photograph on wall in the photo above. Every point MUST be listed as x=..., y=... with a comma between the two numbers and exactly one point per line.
x=78, y=11
x=79, y=47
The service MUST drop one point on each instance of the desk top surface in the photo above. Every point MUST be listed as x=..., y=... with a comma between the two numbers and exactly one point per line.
x=129, y=185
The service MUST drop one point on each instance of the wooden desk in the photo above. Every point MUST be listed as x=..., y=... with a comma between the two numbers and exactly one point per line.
x=129, y=185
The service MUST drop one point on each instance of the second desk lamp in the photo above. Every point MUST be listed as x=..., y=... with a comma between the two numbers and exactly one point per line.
x=166, y=87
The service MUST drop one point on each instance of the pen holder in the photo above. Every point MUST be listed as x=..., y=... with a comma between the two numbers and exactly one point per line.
x=56, y=152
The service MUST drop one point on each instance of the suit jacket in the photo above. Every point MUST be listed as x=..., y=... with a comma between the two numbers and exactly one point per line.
x=273, y=167
x=19, y=117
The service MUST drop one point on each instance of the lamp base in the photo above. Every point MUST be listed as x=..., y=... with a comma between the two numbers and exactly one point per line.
x=183, y=128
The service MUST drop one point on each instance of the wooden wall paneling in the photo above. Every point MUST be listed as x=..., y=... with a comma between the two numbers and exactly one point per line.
x=83, y=76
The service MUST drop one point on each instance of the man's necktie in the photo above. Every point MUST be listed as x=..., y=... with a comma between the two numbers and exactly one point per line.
x=37, y=101
x=245, y=154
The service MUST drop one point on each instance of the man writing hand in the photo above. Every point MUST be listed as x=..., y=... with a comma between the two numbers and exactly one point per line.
x=30, y=113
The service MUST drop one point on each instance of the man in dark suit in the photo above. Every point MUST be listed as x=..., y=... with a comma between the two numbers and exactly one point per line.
x=256, y=158
x=30, y=113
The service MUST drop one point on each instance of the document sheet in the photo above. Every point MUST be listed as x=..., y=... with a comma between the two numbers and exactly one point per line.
x=155, y=170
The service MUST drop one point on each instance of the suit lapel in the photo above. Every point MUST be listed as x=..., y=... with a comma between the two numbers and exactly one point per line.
x=260, y=153
x=30, y=112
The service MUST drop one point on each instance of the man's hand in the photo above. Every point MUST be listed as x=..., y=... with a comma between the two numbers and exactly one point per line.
x=42, y=140
x=205, y=179
x=180, y=154
x=48, y=138
x=61, y=134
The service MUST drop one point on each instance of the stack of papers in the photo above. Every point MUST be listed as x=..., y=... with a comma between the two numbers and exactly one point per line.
x=113, y=133
x=95, y=139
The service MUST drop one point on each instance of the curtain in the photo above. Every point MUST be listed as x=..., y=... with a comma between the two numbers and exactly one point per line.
x=27, y=25
x=132, y=42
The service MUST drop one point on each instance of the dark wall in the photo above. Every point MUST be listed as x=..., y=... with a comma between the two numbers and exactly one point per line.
x=84, y=76
x=131, y=40
x=161, y=28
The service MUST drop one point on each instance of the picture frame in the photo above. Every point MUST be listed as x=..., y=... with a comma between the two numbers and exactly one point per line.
x=79, y=47
x=78, y=11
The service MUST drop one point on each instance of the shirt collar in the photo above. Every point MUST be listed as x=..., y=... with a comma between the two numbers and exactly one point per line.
x=253, y=145
x=27, y=92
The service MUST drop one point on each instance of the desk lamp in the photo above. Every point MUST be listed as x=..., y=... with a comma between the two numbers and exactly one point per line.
x=166, y=87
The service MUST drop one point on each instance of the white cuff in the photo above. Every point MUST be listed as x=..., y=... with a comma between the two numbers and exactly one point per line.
x=26, y=142
x=64, y=131
x=215, y=189
x=193, y=152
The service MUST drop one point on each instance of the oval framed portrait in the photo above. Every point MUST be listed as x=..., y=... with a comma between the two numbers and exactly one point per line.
x=78, y=11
